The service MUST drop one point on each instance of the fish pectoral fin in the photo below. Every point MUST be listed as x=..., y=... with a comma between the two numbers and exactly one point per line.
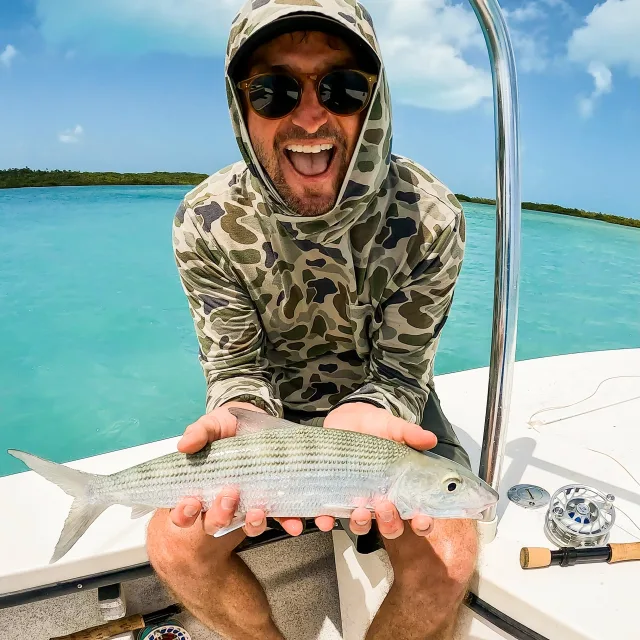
x=337, y=510
x=139, y=510
x=254, y=421
x=236, y=523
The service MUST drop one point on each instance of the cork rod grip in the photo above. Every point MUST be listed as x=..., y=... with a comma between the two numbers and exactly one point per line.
x=624, y=551
x=106, y=631
x=534, y=557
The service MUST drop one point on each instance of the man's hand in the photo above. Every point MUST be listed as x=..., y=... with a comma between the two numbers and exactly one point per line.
x=210, y=427
x=357, y=416
x=366, y=418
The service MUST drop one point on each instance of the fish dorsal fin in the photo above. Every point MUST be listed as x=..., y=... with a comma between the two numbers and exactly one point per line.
x=254, y=421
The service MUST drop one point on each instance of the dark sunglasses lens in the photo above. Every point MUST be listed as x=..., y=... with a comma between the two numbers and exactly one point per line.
x=274, y=96
x=344, y=92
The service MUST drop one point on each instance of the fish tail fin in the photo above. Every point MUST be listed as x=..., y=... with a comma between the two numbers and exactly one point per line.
x=81, y=516
x=83, y=512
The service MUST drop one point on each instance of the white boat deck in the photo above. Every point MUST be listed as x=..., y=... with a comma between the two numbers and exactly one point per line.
x=589, y=602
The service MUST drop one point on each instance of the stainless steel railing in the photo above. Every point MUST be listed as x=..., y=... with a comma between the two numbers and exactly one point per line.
x=507, y=266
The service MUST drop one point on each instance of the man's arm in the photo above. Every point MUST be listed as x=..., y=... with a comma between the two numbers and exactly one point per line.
x=231, y=341
x=228, y=328
x=401, y=367
x=404, y=347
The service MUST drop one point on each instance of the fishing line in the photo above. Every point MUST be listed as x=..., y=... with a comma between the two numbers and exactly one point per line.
x=617, y=508
x=534, y=424
x=573, y=404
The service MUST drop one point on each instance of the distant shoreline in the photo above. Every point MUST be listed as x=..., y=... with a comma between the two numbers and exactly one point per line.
x=18, y=178
x=565, y=211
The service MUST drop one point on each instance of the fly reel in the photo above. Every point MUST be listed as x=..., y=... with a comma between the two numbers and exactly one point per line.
x=168, y=630
x=579, y=516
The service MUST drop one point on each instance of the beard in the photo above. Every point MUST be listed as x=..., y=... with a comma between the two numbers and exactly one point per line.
x=311, y=202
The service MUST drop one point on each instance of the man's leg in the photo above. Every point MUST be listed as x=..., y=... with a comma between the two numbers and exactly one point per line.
x=210, y=579
x=431, y=576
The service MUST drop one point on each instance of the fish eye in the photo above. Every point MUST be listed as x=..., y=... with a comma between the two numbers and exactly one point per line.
x=451, y=483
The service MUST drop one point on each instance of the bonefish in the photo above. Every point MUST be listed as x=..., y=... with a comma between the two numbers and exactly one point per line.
x=286, y=469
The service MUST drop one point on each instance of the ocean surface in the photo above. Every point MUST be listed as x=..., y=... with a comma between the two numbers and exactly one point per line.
x=97, y=345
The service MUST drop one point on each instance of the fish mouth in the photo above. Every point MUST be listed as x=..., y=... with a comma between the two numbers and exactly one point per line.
x=471, y=513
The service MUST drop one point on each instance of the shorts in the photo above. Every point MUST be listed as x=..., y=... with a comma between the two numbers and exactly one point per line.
x=433, y=419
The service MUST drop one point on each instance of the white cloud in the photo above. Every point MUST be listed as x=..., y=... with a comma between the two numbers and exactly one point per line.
x=602, y=80
x=530, y=51
x=601, y=77
x=429, y=48
x=529, y=41
x=609, y=35
x=193, y=27
x=426, y=43
x=563, y=6
x=529, y=11
x=71, y=136
x=607, y=39
x=7, y=56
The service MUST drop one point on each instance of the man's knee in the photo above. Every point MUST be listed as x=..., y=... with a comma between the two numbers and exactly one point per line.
x=445, y=560
x=172, y=551
x=167, y=544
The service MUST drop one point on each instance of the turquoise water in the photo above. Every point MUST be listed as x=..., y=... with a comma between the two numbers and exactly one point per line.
x=97, y=344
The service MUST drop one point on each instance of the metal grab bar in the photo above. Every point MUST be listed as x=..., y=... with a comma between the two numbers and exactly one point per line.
x=507, y=265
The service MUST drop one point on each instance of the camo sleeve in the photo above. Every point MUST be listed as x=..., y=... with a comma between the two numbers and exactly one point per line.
x=404, y=347
x=228, y=329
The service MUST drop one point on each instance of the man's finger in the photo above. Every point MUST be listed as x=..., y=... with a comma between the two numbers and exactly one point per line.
x=419, y=438
x=325, y=523
x=186, y=512
x=208, y=428
x=360, y=521
x=222, y=510
x=255, y=522
x=194, y=438
x=422, y=525
x=389, y=523
x=293, y=526
x=411, y=434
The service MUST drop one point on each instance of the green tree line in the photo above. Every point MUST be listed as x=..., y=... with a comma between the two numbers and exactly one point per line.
x=554, y=208
x=14, y=178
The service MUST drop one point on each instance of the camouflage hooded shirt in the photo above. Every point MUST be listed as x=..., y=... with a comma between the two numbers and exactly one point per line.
x=307, y=312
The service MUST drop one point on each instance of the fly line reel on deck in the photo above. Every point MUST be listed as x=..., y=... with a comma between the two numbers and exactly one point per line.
x=579, y=516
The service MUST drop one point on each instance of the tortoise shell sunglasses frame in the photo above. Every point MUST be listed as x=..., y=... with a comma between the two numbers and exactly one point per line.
x=245, y=85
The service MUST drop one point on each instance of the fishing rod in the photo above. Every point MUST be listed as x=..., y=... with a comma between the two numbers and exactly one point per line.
x=130, y=623
x=537, y=557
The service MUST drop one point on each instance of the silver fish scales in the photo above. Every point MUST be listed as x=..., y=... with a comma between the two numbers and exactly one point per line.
x=296, y=471
x=283, y=468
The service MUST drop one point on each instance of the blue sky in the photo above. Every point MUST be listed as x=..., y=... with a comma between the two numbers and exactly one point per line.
x=136, y=85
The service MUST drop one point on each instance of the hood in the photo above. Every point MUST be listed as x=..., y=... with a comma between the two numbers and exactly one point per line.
x=369, y=165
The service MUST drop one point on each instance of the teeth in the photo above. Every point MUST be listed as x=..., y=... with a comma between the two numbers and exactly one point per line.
x=309, y=148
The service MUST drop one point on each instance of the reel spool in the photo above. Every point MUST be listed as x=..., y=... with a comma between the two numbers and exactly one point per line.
x=579, y=516
x=168, y=630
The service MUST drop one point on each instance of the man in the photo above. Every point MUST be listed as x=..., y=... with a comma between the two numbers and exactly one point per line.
x=319, y=274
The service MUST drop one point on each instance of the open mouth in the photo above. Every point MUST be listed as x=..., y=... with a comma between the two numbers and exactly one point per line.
x=311, y=160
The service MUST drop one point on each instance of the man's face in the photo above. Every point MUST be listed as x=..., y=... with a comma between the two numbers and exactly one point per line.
x=308, y=182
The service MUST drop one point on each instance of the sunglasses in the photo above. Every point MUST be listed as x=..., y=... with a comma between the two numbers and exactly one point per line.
x=343, y=92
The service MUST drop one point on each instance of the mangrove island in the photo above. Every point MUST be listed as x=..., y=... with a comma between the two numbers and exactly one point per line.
x=17, y=178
